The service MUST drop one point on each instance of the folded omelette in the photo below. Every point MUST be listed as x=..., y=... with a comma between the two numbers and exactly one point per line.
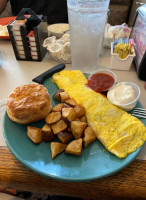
x=118, y=131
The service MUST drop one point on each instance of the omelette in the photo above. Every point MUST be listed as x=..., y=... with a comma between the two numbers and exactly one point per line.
x=120, y=132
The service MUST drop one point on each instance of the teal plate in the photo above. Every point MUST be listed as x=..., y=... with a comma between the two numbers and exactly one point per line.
x=94, y=163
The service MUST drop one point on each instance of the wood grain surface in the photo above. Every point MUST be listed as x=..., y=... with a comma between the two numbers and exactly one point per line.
x=129, y=183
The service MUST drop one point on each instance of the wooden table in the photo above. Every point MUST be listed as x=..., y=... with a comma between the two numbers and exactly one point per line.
x=130, y=183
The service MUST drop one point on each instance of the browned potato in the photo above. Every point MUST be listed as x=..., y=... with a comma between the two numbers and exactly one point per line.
x=68, y=123
x=70, y=102
x=58, y=107
x=57, y=148
x=74, y=147
x=83, y=119
x=78, y=128
x=53, y=117
x=80, y=111
x=65, y=105
x=35, y=134
x=89, y=136
x=69, y=129
x=57, y=96
x=59, y=126
x=77, y=119
x=64, y=136
x=64, y=96
x=47, y=133
x=68, y=114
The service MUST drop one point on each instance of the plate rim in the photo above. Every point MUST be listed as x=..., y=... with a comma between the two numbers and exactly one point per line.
x=6, y=37
x=10, y=17
x=35, y=170
x=58, y=177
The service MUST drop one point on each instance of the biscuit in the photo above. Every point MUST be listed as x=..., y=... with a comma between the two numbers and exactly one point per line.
x=28, y=103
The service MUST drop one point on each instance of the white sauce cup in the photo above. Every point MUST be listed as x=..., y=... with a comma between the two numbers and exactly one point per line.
x=132, y=103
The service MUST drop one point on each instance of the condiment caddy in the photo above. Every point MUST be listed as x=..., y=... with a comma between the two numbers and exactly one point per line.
x=27, y=33
x=121, y=59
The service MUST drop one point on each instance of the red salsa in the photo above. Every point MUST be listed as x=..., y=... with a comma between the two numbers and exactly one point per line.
x=100, y=82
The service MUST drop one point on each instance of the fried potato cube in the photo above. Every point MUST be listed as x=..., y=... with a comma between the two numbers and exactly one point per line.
x=58, y=107
x=71, y=102
x=89, y=136
x=53, y=117
x=80, y=111
x=68, y=123
x=77, y=119
x=65, y=105
x=47, y=134
x=64, y=136
x=57, y=96
x=56, y=148
x=35, y=134
x=74, y=147
x=64, y=96
x=78, y=128
x=68, y=114
x=83, y=119
x=59, y=126
x=69, y=129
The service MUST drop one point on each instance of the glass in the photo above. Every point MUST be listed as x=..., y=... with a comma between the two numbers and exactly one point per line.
x=87, y=20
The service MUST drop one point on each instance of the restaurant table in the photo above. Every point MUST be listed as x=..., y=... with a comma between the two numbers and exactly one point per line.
x=129, y=183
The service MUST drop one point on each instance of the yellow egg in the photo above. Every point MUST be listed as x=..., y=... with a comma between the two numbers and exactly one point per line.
x=118, y=131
